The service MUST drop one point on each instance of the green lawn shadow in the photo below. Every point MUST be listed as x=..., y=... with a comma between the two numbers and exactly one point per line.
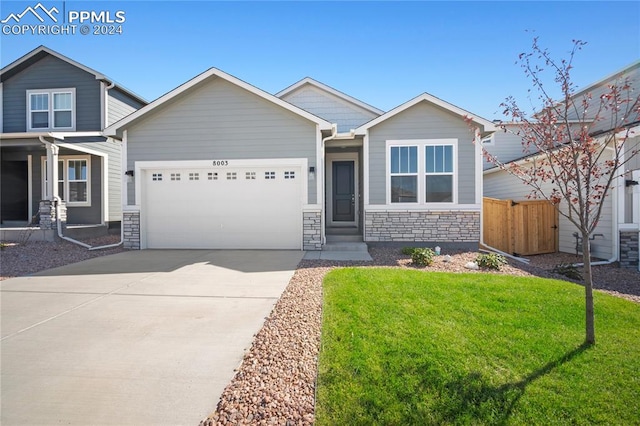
x=469, y=397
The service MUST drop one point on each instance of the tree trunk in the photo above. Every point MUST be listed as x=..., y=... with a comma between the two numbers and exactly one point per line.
x=588, y=291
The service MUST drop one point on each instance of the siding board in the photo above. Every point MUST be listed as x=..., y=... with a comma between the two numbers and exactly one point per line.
x=113, y=150
x=120, y=105
x=422, y=121
x=218, y=120
x=329, y=107
x=506, y=147
x=51, y=73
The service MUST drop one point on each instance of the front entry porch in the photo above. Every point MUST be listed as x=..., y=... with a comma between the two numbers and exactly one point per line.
x=343, y=192
x=343, y=204
x=30, y=177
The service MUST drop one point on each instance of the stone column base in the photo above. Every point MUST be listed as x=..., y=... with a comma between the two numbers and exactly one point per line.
x=312, y=230
x=131, y=230
x=49, y=217
x=629, y=249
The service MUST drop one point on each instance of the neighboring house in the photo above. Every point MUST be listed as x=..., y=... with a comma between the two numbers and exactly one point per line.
x=505, y=145
x=219, y=163
x=52, y=148
x=616, y=236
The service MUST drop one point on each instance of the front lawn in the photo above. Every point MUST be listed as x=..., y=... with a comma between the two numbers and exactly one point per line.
x=404, y=347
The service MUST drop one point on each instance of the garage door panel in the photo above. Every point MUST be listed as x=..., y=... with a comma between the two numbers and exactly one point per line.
x=241, y=207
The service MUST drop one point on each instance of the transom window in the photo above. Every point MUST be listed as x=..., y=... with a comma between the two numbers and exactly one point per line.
x=73, y=180
x=422, y=171
x=51, y=109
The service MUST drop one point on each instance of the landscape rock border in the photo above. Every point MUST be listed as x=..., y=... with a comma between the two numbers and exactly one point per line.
x=275, y=384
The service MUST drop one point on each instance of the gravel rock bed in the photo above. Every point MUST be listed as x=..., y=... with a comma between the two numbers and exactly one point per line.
x=20, y=259
x=275, y=384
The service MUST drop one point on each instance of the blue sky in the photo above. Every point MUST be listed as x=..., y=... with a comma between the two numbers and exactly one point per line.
x=383, y=53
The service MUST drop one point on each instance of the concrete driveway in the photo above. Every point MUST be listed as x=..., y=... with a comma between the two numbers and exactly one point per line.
x=148, y=337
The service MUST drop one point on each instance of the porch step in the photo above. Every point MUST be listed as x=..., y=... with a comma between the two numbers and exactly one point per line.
x=343, y=230
x=345, y=246
x=344, y=239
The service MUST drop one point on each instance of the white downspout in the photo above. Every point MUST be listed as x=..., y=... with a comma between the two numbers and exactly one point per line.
x=52, y=154
x=123, y=195
x=122, y=166
x=106, y=205
x=52, y=189
x=334, y=133
x=80, y=243
x=112, y=245
x=106, y=104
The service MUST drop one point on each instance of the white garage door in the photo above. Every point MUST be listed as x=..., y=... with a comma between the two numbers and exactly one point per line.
x=230, y=207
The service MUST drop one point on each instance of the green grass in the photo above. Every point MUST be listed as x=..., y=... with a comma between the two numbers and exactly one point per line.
x=402, y=347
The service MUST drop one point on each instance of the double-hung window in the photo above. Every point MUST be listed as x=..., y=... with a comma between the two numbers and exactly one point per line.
x=39, y=110
x=422, y=171
x=404, y=174
x=52, y=109
x=439, y=173
x=73, y=180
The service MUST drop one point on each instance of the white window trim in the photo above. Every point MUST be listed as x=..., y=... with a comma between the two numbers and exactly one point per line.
x=416, y=174
x=452, y=173
x=422, y=169
x=50, y=93
x=65, y=163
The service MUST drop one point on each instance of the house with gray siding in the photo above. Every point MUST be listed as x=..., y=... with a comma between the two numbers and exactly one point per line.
x=55, y=160
x=505, y=145
x=617, y=233
x=219, y=163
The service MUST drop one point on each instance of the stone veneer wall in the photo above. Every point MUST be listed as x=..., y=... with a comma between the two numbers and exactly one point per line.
x=422, y=226
x=131, y=230
x=629, y=249
x=48, y=216
x=311, y=229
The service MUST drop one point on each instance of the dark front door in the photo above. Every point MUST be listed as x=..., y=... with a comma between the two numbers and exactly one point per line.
x=344, y=202
x=14, y=188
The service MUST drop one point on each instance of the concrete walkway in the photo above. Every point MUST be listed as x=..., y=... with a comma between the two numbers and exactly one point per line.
x=149, y=337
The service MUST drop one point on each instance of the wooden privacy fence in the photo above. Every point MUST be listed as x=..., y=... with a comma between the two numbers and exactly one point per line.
x=520, y=227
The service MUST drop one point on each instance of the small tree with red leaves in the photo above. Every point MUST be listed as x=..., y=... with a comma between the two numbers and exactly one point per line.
x=576, y=144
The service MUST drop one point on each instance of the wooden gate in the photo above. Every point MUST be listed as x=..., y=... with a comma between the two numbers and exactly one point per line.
x=521, y=228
